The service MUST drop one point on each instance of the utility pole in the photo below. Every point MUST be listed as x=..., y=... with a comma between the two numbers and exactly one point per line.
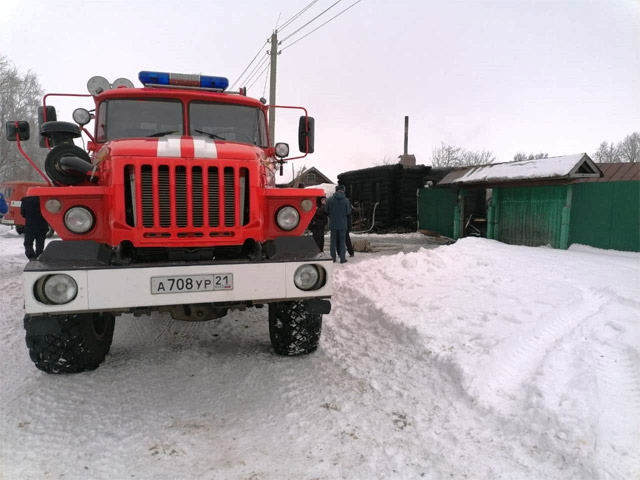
x=272, y=86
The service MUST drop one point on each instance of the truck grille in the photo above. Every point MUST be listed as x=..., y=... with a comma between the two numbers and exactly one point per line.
x=196, y=198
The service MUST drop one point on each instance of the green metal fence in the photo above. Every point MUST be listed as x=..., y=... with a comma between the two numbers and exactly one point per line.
x=531, y=215
x=436, y=210
x=606, y=215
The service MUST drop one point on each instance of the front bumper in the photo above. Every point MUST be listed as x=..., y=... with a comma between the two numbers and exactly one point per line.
x=122, y=288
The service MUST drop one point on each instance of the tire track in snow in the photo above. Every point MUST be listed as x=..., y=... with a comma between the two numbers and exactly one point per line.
x=618, y=377
x=513, y=364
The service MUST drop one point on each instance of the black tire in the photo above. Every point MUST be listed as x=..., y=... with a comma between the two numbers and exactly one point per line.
x=292, y=329
x=50, y=232
x=80, y=342
x=52, y=164
x=19, y=229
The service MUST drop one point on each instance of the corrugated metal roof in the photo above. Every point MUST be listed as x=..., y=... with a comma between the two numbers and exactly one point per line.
x=615, y=172
x=554, y=168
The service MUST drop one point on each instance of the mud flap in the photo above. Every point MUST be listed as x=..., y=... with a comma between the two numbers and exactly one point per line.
x=42, y=324
x=317, y=306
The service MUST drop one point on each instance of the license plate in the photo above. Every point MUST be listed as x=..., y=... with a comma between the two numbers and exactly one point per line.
x=191, y=283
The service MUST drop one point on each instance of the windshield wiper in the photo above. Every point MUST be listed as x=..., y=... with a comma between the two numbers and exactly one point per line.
x=210, y=135
x=162, y=134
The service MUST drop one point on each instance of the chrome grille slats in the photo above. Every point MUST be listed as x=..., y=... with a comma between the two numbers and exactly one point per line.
x=197, y=196
x=214, y=197
x=181, y=196
x=229, y=197
x=192, y=185
x=164, y=196
x=146, y=192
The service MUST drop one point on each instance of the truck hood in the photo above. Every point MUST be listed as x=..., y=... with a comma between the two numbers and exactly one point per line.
x=173, y=146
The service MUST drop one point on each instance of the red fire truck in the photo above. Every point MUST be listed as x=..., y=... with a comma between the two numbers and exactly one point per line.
x=14, y=191
x=172, y=208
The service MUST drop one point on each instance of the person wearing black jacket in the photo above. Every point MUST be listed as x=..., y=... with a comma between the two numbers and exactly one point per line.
x=35, y=228
x=319, y=222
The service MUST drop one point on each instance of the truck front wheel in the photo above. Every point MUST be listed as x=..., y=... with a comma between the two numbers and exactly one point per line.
x=293, y=330
x=69, y=343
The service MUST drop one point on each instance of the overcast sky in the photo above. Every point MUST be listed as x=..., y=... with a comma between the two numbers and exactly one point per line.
x=507, y=76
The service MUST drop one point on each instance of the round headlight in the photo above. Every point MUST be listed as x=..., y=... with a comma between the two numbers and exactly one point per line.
x=306, y=277
x=282, y=150
x=81, y=116
x=306, y=204
x=60, y=289
x=287, y=218
x=79, y=219
x=53, y=205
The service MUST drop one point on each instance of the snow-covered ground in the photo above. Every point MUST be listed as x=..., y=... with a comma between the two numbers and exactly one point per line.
x=474, y=360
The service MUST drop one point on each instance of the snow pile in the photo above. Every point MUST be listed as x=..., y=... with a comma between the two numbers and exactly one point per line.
x=545, y=340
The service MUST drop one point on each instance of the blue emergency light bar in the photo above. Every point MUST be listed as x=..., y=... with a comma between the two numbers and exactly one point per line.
x=183, y=80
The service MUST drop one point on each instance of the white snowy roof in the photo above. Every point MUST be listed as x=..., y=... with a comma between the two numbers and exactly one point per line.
x=329, y=188
x=568, y=166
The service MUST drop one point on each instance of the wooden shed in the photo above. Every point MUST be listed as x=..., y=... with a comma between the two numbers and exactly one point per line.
x=389, y=190
x=553, y=201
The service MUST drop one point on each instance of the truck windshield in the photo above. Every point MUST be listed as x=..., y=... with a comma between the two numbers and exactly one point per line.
x=223, y=121
x=131, y=118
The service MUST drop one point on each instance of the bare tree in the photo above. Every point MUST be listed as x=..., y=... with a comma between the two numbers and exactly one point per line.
x=607, y=153
x=446, y=156
x=450, y=156
x=532, y=156
x=629, y=148
x=386, y=160
x=479, y=157
x=19, y=100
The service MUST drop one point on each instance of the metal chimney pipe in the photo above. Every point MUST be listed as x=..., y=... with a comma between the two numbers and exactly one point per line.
x=406, y=135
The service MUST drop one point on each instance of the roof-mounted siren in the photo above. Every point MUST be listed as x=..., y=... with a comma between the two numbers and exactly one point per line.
x=164, y=79
x=122, y=83
x=96, y=85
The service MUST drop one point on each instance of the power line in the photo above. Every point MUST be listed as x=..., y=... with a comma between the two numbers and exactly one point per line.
x=256, y=69
x=310, y=21
x=259, y=76
x=266, y=77
x=250, y=63
x=320, y=26
x=288, y=22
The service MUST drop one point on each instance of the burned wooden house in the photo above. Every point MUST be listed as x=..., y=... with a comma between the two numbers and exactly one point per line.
x=385, y=197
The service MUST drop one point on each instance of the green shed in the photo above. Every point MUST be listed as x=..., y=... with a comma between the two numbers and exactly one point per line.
x=553, y=201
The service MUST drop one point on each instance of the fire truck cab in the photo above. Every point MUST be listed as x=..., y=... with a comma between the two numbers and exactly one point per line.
x=172, y=207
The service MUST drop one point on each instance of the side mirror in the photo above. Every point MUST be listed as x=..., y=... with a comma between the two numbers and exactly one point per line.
x=282, y=150
x=306, y=135
x=22, y=130
x=51, y=117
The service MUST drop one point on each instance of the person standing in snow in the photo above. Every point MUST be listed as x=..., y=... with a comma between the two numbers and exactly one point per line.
x=319, y=222
x=348, y=237
x=4, y=208
x=338, y=209
x=35, y=226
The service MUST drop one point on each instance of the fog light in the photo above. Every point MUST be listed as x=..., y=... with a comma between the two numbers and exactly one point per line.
x=53, y=205
x=79, y=219
x=287, y=218
x=59, y=289
x=306, y=277
x=306, y=205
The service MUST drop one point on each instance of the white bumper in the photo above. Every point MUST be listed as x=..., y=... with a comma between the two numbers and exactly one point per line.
x=6, y=222
x=123, y=288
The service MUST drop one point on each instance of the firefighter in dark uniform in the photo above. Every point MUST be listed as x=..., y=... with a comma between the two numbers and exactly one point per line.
x=319, y=222
x=35, y=226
